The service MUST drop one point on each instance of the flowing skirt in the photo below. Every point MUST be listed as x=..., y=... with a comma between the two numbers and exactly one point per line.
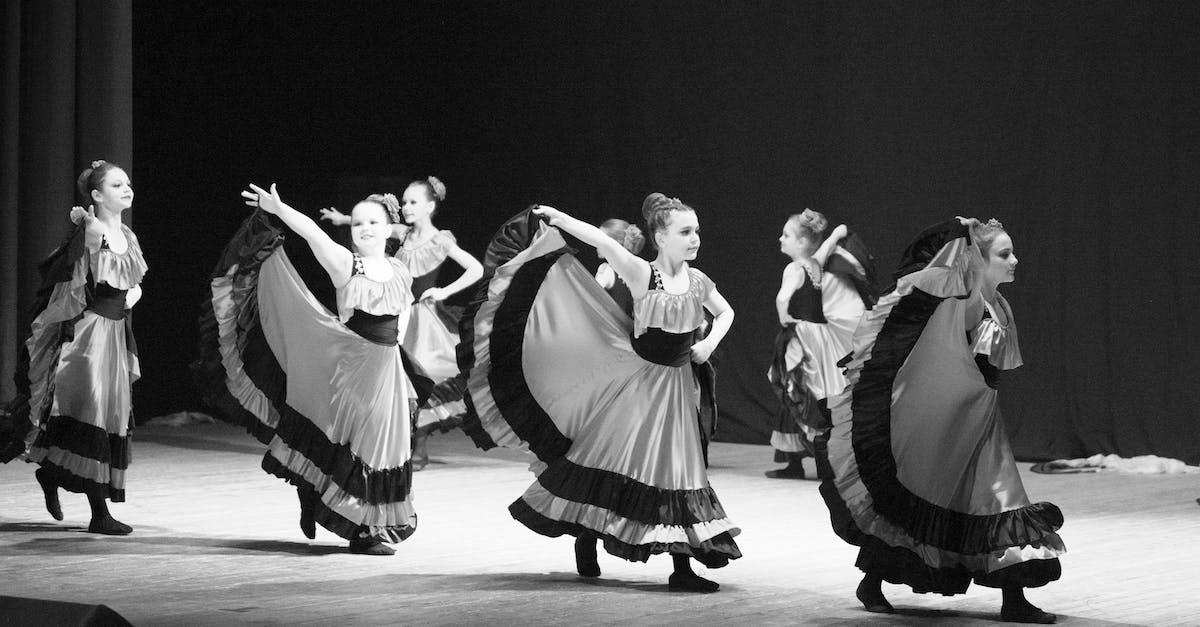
x=432, y=339
x=800, y=418
x=806, y=367
x=617, y=437
x=73, y=410
x=84, y=444
x=924, y=479
x=334, y=408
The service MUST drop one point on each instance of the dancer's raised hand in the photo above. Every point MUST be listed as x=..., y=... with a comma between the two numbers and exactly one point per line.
x=335, y=216
x=553, y=216
x=268, y=201
x=81, y=215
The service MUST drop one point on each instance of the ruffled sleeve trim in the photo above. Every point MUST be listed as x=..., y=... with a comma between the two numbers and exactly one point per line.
x=998, y=342
x=122, y=271
x=428, y=256
x=673, y=313
x=388, y=298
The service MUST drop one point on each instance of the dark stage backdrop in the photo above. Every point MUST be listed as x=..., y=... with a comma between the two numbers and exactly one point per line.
x=66, y=99
x=1075, y=124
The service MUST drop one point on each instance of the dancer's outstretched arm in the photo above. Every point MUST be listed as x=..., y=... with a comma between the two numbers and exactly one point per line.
x=337, y=260
x=633, y=269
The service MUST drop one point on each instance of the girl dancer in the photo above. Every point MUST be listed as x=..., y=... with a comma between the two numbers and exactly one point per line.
x=328, y=391
x=924, y=479
x=82, y=357
x=824, y=291
x=608, y=404
x=432, y=333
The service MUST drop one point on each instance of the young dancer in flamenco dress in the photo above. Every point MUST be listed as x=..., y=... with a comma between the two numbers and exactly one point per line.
x=824, y=291
x=924, y=481
x=73, y=414
x=608, y=403
x=432, y=333
x=327, y=391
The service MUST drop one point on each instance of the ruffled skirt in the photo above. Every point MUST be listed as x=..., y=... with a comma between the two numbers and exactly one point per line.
x=335, y=408
x=800, y=418
x=925, y=481
x=84, y=443
x=431, y=340
x=617, y=438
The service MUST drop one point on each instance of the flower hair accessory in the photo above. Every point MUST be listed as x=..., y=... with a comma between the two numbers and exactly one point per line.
x=437, y=187
x=393, y=207
x=97, y=163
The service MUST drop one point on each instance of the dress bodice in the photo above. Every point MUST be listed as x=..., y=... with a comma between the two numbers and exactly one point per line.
x=424, y=261
x=664, y=323
x=371, y=308
x=806, y=302
x=121, y=271
x=114, y=274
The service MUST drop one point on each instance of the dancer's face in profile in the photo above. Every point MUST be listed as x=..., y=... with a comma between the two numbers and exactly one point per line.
x=793, y=244
x=681, y=237
x=369, y=227
x=417, y=206
x=115, y=191
x=1002, y=261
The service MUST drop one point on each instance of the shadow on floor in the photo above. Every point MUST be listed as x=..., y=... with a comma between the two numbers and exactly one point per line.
x=76, y=542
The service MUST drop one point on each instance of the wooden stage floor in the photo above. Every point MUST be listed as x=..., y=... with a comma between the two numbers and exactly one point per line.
x=216, y=543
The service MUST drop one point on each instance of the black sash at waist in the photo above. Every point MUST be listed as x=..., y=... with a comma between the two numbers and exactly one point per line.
x=109, y=302
x=377, y=329
x=664, y=348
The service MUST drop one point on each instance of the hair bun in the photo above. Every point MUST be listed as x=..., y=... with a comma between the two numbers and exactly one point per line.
x=81, y=183
x=634, y=240
x=813, y=220
x=92, y=177
x=437, y=187
x=657, y=202
x=648, y=206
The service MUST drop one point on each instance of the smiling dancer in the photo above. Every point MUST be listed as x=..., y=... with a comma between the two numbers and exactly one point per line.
x=432, y=333
x=75, y=393
x=328, y=391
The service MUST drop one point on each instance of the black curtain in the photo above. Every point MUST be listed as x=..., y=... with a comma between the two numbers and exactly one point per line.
x=1075, y=123
x=67, y=100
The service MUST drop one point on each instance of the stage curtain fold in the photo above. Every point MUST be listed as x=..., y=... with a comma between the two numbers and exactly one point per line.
x=67, y=99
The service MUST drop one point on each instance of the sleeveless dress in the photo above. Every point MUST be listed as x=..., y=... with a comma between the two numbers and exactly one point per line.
x=805, y=370
x=431, y=336
x=924, y=479
x=608, y=404
x=329, y=393
x=74, y=410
